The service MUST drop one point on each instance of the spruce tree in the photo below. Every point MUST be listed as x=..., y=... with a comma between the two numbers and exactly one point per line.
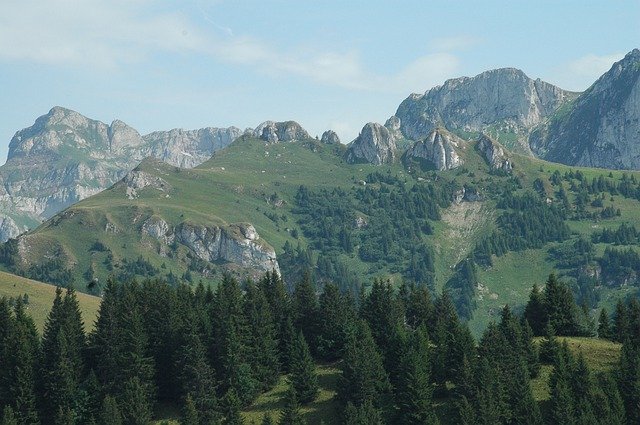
x=8, y=417
x=189, y=412
x=549, y=346
x=366, y=414
x=305, y=306
x=267, y=419
x=363, y=376
x=110, y=412
x=291, y=414
x=414, y=392
x=196, y=377
x=6, y=329
x=134, y=402
x=335, y=316
x=524, y=408
x=535, y=312
x=628, y=372
x=262, y=343
x=303, y=371
x=621, y=322
x=22, y=365
x=560, y=307
x=232, y=405
x=604, y=327
x=419, y=309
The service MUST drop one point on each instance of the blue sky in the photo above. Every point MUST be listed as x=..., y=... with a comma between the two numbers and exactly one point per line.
x=326, y=64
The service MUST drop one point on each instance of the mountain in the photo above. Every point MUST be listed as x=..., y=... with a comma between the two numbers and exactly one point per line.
x=504, y=102
x=65, y=157
x=601, y=128
x=300, y=204
x=374, y=145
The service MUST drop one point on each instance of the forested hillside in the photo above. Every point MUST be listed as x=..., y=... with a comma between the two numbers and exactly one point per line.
x=390, y=356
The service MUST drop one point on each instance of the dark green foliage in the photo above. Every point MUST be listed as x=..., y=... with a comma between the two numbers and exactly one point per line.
x=134, y=402
x=291, y=414
x=363, y=376
x=619, y=266
x=8, y=417
x=604, y=327
x=366, y=414
x=414, y=391
x=462, y=288
x=110, y=412
x=527, y=222
x=232, y=405
x=621, y=322
x=303, y=371
x=189, y=413
x=305, y=308
x=535, y=311
x=335, y=318
x=628, y=374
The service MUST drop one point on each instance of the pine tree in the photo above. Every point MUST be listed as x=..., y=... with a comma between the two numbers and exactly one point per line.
x=363, y=376
x=366, y=414
x=414, y=392
x=549, y=346
x=629, y=380
x=196, y=378
x=621, y=322
x=563, y=408
x=262, y=345
x=291, y=414
x=303, y=371
x=276, y=293
x=134, y=402
x=560, y=307
x=22, y=365
x=419, y=307
x=335, y=316
x=6, y=329
x=305, y=306
x=232, y=406
x=524, y=408
x=8, y=417
x=535, y=312
x=531, y=350
x=110, y=412
x=189, y=412
x=604, y=328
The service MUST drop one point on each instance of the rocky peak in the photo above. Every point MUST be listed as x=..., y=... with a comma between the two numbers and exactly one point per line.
x=330, y=137
x=393, y=124
x=439, y=149
x=374, y=145
x=285, y=131
x=493, y=153
x=504, y=97
x=602, y=127
x=122, y=135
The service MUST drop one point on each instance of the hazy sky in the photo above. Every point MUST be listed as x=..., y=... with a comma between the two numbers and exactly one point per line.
x=327, y=64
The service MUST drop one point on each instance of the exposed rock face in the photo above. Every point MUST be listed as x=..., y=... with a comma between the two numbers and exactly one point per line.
x=393, y=124
x=136, y=180
x=187, y=148
x=504, y=98
x=65, y=157
x=493, y=153
x=8, y=228
x=237, y=243
x=440, y=148
x=602, y=126
x=374, y=145
x=286, y=131
x=330, y=137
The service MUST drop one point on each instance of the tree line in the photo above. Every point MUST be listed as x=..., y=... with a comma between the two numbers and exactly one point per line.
x=401, y=352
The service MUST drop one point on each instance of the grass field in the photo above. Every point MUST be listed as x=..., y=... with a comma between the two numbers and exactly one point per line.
x=41, y=298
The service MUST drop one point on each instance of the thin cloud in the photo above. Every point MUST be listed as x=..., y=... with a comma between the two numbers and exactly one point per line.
x=580, y=73
x=448, y=44
x=115, y=33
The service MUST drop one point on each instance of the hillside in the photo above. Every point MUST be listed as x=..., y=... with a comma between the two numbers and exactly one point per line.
x=40, y=298
x=256, y=206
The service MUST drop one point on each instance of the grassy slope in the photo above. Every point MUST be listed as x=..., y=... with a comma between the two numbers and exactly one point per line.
x=41, y=298
x=235, y=186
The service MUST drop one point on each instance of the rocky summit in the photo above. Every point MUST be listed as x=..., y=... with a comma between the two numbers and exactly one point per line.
x=65, y=157
x=374, y=145
x=505, y=100
x=439, y=150
x=602, y=127
x=286, y=131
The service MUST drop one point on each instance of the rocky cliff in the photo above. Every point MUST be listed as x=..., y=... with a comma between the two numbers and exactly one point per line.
x=330, y=137
x=374, y=145
x=494, y=154
x=439, y=149
x=601, y=128
x=238, y=244
x=505, y=100
x=65, y=157
x=285, y=131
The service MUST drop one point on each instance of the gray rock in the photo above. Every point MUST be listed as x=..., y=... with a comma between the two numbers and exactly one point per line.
x=440, y=148
x=602, y=127
x=504, y=98
x=8, y=229
x=493, y=153
x=393, y=124
x=65, y=157
x=374, y=145
x=285, y=131
x=330, y=137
